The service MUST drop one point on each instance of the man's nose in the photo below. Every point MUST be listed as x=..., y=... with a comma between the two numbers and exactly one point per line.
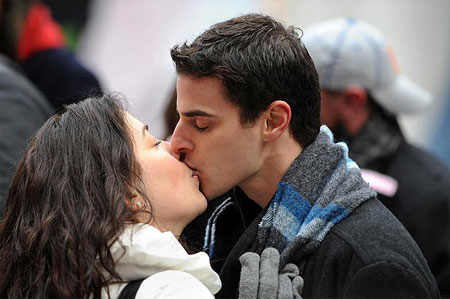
x=168, y=148
x=180, y=144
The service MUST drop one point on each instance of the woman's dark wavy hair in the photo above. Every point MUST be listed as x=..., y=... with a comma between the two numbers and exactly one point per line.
x=67, y=204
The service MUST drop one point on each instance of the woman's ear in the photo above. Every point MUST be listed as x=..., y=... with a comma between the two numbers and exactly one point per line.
x=277, y=119
x=135, y=203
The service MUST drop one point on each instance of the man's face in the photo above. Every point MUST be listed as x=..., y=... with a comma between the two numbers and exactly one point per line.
x=210, y=138
x=337, y=113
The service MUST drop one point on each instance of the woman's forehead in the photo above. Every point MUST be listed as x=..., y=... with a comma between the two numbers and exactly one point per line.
x=136, y=125
x=133, y=122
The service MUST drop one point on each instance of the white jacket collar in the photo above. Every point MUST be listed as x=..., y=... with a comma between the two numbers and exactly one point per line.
x=142, y=250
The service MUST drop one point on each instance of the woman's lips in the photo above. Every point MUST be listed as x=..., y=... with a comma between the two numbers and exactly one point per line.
x=195, y=175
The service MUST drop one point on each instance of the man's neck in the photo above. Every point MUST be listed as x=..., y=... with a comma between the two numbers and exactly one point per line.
x=279, y=156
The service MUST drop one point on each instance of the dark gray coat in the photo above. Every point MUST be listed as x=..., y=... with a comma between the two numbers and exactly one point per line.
x=367, y=255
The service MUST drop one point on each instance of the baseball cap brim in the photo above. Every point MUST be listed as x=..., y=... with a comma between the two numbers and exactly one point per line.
x=403, y=96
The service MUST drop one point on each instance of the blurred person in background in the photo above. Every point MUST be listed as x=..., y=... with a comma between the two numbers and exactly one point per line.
x=23, y=108
x=97, y=202
x=248, y=97
x=38, y=76
x=362, y=95
x=32, y=37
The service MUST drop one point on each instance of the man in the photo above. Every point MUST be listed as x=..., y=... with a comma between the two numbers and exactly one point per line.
x=362, y=92
x=249, y=103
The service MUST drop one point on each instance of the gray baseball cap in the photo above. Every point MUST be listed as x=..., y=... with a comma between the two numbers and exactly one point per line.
x=348, y=52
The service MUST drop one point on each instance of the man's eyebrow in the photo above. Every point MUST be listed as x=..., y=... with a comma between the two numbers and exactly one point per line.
x=196, y=113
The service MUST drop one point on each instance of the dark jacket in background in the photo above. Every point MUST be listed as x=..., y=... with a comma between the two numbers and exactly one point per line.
x=422, y=199
x=60, y=76
x=422, y=204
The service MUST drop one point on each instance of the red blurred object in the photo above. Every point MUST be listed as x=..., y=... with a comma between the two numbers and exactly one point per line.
x=39, y=32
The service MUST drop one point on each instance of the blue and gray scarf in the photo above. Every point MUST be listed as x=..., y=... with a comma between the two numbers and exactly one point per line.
x=320, y=189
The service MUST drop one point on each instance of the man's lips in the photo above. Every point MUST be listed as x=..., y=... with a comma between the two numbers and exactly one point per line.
x=193, y=169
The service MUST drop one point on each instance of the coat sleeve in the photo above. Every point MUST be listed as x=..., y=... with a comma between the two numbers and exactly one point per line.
x=173, y=284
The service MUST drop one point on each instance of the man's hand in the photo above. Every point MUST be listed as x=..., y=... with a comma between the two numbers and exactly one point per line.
x=260, y=278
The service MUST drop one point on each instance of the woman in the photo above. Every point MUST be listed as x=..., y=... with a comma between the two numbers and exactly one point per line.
x=96, y=202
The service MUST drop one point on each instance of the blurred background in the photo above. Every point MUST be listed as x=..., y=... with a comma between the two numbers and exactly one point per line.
x=126, y=44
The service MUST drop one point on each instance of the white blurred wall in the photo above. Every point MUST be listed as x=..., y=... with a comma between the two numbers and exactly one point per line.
x=127, y=43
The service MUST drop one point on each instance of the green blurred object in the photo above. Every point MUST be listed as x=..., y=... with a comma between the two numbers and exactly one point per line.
x=72, y=15
x=72, y=34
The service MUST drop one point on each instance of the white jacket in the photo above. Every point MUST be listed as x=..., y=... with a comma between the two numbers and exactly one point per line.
x=169, y=270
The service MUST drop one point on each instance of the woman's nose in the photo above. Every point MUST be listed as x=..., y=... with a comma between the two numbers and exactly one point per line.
x=166, y=146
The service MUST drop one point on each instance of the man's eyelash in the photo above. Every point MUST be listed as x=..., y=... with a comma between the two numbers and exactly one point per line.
x=198, y=128
x=201, y=129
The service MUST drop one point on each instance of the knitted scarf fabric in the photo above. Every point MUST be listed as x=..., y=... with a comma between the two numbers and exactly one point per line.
x=320, y=189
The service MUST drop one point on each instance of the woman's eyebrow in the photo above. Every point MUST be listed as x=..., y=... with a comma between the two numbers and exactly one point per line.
x=144, y=128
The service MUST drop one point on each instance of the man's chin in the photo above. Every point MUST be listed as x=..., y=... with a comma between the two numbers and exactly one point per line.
x=209, y=196
x=204, y=192
x=207, y=193
x=212, y=193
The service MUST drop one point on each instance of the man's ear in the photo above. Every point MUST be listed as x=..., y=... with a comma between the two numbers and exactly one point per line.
x=356, y=98
x=277, y=119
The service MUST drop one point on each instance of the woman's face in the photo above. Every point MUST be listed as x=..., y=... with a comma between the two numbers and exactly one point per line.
x=171, y=186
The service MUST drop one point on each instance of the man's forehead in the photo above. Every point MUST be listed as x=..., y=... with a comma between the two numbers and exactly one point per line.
x=195, y=106
x=202, y=97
